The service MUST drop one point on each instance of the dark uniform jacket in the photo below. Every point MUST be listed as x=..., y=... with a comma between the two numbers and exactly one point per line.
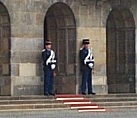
x=49, y=59
x=86, y=59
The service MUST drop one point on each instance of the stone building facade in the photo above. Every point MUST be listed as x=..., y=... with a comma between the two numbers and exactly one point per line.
x=26, y=24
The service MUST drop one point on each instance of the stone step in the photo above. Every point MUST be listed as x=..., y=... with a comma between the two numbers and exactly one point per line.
x=118, y=103
x=8, y=103
x=52, y=97
x=25, y=97
x=30, y=110
x=112, y=95
x=29, y=101
x=33, y=106
x=113, y=99
x=79, y=103
x=120, y=108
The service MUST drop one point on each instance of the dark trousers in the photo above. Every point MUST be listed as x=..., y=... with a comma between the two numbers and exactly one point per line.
x=86, y=81
x=48, y=81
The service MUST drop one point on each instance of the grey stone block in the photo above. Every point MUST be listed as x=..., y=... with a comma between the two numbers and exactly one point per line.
x=26, y=56
x=100, y=89
x=28, y=90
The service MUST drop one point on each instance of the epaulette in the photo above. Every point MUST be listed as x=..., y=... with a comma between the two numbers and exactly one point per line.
x=81, y=48
x=43, y=50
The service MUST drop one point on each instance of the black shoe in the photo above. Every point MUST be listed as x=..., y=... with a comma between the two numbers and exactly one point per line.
x=46, y=94
x=52, y=94
x=83, y=93
x=91, y=93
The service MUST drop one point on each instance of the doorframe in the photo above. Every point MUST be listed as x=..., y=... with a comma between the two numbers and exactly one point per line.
x=67, y=27
x=135, y=89
x=9, y=89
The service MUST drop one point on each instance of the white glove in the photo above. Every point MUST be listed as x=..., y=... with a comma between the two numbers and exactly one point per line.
x=53, y=66
x=90, y=65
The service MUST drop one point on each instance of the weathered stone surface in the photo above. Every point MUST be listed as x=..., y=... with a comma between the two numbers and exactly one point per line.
x=28, y=90
x=26, y=56
x=27, y=44
x=118, y=88
x=99, y=80
x=27, y=32
x=27, y=80
x=65, y=85
x=100, y=89
x=5, y=86
x=27, y=69
x=5, y=69
x=15, y=69
x=39, y=70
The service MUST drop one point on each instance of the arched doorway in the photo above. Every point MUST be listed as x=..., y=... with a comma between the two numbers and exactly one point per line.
x=5, y=80
x=121, y=51
x=60, y=28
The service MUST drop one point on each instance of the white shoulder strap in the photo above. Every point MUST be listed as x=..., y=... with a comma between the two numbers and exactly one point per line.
x=51, y=58
x=87, y=57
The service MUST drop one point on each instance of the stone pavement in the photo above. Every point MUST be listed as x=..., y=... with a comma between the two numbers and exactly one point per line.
x=70, y=114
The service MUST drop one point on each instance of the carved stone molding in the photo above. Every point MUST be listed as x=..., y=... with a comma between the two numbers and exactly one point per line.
x=120, y=3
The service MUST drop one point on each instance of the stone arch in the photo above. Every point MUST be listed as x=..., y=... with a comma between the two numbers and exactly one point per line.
x=121, y=51
x=5, y=34
x=60, y=28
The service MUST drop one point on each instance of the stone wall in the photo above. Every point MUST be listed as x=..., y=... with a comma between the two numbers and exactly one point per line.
x=27, y=21
x=134, y=11
x=26, y=18
x=92, y=24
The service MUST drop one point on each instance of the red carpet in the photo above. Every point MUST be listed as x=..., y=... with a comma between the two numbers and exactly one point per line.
x=79, y=102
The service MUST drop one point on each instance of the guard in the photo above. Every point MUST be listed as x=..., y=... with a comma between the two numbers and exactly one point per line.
x=49, y=65
x=86, y=66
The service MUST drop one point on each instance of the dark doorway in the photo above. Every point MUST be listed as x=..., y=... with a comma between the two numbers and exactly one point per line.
x=60, y=28
x=5, y=82
x=121, y=51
